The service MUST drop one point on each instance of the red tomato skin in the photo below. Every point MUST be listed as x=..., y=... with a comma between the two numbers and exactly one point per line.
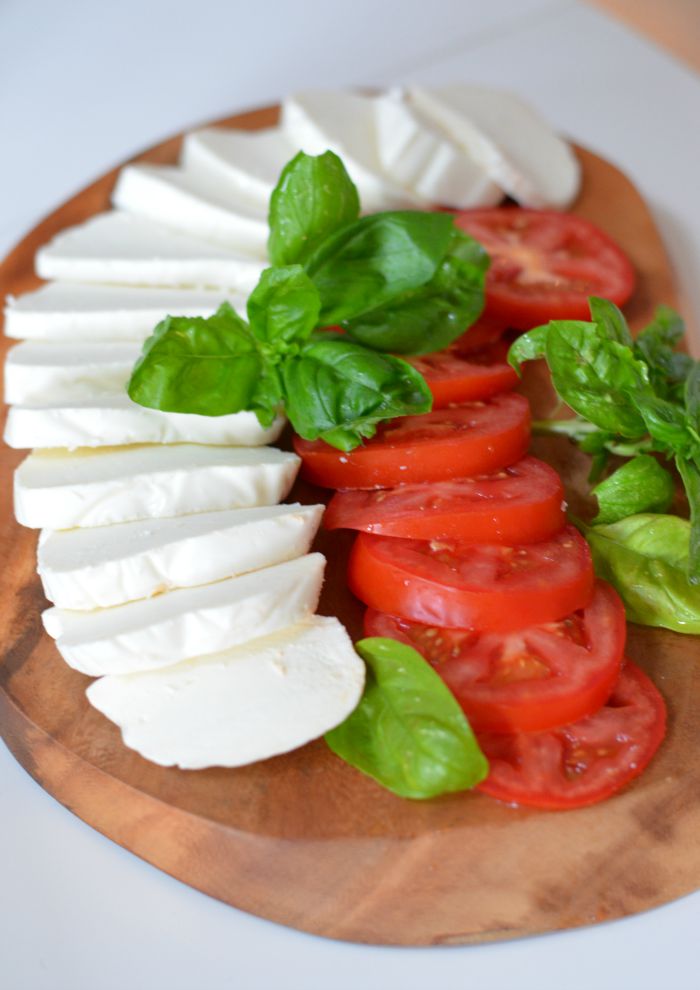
x=530, y=508
x=455, y=378
x=379, y=575
x=417, y=449
x=637, y=731
x=583, y=676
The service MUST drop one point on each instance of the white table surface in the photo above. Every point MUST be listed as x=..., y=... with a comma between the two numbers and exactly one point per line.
x=84, y=85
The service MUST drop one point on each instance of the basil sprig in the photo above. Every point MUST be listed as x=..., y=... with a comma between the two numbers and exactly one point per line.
x=406, y=282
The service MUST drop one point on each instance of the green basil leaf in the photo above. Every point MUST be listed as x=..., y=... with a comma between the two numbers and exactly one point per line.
x=366, y=263
x=313, y=197
x=656, y=345
x=528, y=347
x=610, y=320
x=284, y=306
x=640, y=485
x=408, y=732
x=429, y=318
x=210, y=366
x=667, y=424
x=338, y=391
x=692, y=396
x=645, y=557
x=690, y=475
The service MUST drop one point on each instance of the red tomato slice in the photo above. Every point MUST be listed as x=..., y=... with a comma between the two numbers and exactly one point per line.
x=545, y=265
x=453, y=378
x=492, y=588
x=449, y=443
x=523, y=503
x=581, y=763
x=531, y=680
x=485, y=332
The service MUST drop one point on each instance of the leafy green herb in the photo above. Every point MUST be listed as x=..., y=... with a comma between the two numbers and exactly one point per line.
x=640, y=485
x=283, y=307
x=529, y=346
x=408, y=732
x=608, y=316
x=668, y=368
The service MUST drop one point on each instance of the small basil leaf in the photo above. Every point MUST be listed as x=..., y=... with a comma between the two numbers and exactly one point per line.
x=656, y=344
x=690, y=475
x=640, y=485
x=610, y=320
x=338, y=391
x=429, y=318
x=366, y=263
x=313, y=197
x=284, y=306
x=528, y=347
x=666, y=423
x=645, y=557
x=408, y=732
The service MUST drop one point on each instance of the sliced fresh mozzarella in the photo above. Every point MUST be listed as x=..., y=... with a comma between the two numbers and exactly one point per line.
x=67, y=371
x=426, y=161
x=192, y=204
x=115, y=420
x=188, y=622
x=248, y=163
x=120, y=249
x=60, y=490
x=251, y=702
x=317, y=121
x=519, y=150
x=68, y=311
x=111, y=565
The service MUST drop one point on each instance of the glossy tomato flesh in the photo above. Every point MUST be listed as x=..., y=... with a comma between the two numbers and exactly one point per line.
x=453, y=377
x=537, y=678
x=586, y=761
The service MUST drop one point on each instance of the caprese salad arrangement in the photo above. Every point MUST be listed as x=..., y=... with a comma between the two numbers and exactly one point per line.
x=181, y=584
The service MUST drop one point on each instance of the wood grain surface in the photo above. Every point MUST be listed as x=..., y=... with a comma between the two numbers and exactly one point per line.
x=303, y=839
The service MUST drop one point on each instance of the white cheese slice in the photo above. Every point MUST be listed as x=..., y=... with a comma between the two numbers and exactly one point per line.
x=111, y=565
x=60, y=490
x=115, y=420
x=321, y=120
x=188, y=622
x=70, y=311
x=245, y=163
x=67, y=371
x=250, y=703
x=426, y=161
x=120, y=249
x=191, y=204
x=519, y=150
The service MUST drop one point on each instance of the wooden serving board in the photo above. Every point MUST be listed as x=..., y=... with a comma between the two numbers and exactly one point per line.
x=305, y=840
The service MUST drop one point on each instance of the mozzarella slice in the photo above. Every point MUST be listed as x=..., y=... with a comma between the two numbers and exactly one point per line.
x=110, y=565
x=115, y=420
x=67, y=371
x=424, y=160
x=188, y=622
x=317, y=121
x=67, y=311
x=60, y=490
x=518, y=149
x=252, y=702
x=245, y=163
x=118, y=248
x=191, y=204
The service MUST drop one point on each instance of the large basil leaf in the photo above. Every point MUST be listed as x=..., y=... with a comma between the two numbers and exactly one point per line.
x=610, y=319
x=640, y=485
x=371, y=261
x=646, y=558
x=339, y=390
x=284, y=306
x=429, y=318
x=408, y=732
x=314, y=197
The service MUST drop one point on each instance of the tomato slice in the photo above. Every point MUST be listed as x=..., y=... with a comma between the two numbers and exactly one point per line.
x=545, y=265
x=490, y=588
x=453, y=378
x=449, y=443
x=485, y=332
x=531, y=680
x=581, y=763
x=523, y=503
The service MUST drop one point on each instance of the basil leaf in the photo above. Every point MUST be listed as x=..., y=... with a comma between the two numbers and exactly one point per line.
x=645, y=557
x=429, y=318
x=690, y=476
x=640, y=485
x=338, y=391
x=528, y=347
x=408, y=732
x=284, y=306
x=366, y=263
x=656, y=344
x=313, y=197
x=692, y=396
x=610, y=320
x=667, y=424
x=211, y=367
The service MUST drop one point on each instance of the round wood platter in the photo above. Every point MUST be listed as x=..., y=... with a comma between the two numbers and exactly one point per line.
x=303, y=839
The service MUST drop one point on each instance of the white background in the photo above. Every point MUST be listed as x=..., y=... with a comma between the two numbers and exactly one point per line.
x=84, y=85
